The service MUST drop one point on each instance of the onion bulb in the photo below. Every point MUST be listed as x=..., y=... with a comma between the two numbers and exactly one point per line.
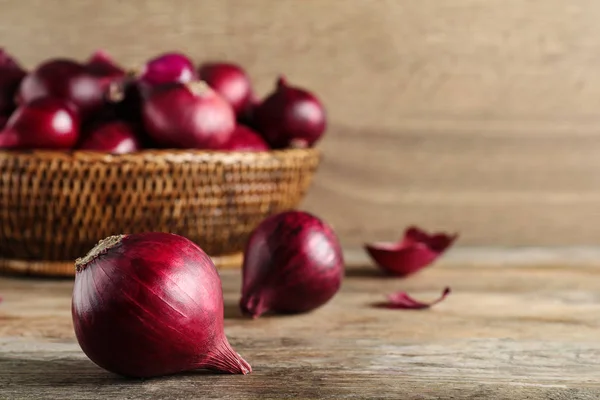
x=151, y=304
x=44, y=123
x=290, y=117
x=188, y=115
x=293, y=263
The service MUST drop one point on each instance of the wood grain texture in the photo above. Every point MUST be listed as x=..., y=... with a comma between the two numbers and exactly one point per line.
x=516, y=333
x=481, y=116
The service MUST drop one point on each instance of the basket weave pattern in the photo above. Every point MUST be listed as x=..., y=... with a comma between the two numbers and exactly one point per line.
x=56, y=206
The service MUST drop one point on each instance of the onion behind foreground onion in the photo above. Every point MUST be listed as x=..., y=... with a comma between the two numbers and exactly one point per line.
x=151, y=304
x=293, y=263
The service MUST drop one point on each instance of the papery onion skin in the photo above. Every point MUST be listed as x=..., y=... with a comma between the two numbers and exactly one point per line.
x=403, y=301
x=290, y=117
x=151, y=304
x=415, y=251
x=64, y=79
x=116, y=137
x=188, y=115
x=44, y=123
x=231, y=82
x=245, y=139
x=293, y=263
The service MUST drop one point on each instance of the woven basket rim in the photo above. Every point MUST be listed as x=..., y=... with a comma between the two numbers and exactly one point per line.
x=161, y=155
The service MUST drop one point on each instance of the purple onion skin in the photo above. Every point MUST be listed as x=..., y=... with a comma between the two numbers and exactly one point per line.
x=293, y=263
x=151, y=304
x=290, y=117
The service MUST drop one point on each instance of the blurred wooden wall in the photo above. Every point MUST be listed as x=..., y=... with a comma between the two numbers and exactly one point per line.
x=481, y=116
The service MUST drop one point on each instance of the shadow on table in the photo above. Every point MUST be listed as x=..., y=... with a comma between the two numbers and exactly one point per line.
x=364, y=272
x=232, y=310
x=61, y=372
x=67, y=372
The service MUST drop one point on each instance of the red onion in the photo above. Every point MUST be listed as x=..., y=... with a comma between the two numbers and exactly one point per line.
x=290, y=116
x=151, y=304
x=11, y=75
x=168, y=68
x=245, y=139
x=231, y=82
x=65, y=79
x=403, y=301
x=10, y=79
x=188, y=115
x=44, y=123
x=101, y=64
x=115, y=137
x=127, y=95
x=3, y=121
x=292, y=263
x=8, y=61
x=415, y=251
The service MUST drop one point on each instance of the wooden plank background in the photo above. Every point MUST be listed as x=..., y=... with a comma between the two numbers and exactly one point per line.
x=476, y=115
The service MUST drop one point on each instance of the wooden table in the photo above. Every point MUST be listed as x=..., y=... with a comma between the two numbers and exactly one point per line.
x=510, y=332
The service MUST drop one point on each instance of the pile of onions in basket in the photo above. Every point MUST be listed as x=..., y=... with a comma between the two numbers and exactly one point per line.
x=167, y=102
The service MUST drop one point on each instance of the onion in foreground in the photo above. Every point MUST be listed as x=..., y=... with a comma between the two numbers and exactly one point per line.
x=151, y=304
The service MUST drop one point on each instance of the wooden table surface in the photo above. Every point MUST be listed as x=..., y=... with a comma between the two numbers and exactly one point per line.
x=509, y=332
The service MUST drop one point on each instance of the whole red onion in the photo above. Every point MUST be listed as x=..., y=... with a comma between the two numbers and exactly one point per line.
x=151, y=304
x=44, y=123
x=231, y=82
x=290, y=116
x=292, y=263
x=115, y=137
x=188, y=115
x=101, y=64
x=168, y=68
x=245, y=139
x=65, y=79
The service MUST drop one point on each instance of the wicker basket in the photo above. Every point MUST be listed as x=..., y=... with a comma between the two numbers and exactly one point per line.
x=54, y=207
